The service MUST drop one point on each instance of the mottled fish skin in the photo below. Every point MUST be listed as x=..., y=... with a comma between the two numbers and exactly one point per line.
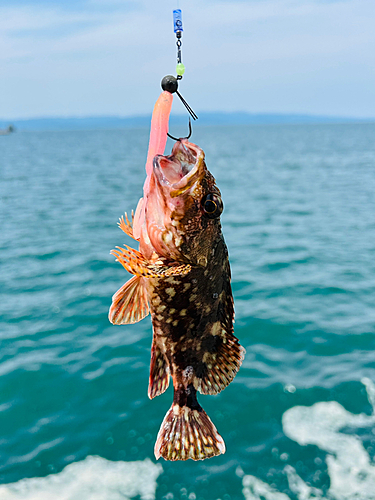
x=192, y=319
x=191, y=308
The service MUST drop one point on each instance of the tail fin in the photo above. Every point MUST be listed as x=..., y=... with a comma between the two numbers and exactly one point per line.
x=188, y=433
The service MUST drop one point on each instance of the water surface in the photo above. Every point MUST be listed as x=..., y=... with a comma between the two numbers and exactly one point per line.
x=75, y=419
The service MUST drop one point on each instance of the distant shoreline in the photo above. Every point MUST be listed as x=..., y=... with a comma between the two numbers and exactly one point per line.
x=205, y=118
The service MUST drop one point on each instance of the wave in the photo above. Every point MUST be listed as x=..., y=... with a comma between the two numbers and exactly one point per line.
x=351, y=472
x=94, y=478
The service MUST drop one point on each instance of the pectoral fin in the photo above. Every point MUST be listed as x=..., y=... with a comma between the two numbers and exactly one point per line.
x=129, y=303
x=135, y=263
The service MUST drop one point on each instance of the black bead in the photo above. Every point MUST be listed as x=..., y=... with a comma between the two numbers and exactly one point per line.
x=170, y=84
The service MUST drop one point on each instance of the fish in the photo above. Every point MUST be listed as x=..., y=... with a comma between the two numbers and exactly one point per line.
x=181, y=275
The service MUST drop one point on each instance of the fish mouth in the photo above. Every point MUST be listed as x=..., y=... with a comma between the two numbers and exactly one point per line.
x=179, y=171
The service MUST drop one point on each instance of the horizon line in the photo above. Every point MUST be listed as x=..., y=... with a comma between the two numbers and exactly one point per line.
x=204, y=113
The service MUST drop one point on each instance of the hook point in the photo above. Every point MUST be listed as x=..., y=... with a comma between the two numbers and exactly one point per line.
x=188, y=137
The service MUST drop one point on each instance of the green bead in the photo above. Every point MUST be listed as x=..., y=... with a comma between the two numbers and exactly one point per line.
x=180, y=69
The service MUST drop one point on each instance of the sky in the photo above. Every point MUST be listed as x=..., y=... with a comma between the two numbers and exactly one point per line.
x=107, y=57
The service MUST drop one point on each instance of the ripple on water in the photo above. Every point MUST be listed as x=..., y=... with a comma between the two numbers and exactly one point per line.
x=299, y=226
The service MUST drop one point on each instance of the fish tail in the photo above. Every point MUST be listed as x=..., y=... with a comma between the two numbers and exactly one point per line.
x=187, y=431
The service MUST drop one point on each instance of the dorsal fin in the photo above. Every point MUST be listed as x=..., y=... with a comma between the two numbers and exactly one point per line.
x=223, y=355
x=222, y=360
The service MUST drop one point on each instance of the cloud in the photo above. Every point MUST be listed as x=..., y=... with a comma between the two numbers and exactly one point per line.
x=107, y=57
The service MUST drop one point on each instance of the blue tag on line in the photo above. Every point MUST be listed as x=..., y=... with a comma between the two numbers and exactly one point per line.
x=177, y=20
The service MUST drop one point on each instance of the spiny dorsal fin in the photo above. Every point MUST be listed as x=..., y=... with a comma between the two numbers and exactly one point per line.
x=159, y=372
x=188, y=433
x=129, y=303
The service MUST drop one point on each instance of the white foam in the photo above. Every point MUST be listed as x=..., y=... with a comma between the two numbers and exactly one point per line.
x=351, y=472
x=94, y=478
x=255, y=489
x=299, y=487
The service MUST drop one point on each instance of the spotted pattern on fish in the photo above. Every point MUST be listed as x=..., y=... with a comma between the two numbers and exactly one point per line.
x=182, y=265
x=198, y=333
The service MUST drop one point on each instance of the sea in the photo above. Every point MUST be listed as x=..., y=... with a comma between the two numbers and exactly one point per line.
x=299, y=221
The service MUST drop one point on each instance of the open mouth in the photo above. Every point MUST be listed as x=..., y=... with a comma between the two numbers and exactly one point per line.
x=177, y=169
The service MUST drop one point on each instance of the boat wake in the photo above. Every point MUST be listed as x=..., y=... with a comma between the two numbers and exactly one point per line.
x=94, y=478
x=351, y=472
x=350, y=469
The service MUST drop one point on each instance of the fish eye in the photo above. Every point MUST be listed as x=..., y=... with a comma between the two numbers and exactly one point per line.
x=212, y=206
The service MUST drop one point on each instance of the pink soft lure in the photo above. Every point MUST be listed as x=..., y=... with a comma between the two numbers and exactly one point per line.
x=158, y=140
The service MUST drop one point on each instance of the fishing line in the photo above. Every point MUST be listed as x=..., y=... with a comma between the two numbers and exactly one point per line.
x=169, y=82
x=178, y=29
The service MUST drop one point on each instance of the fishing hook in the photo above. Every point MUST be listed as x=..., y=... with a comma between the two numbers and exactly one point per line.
x=188, y=137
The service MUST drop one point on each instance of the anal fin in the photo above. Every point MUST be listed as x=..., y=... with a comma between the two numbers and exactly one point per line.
x=135, y=263
x=159, y=372
x=129, y=303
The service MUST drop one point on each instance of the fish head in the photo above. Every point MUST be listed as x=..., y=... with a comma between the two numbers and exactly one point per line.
x=183, y=206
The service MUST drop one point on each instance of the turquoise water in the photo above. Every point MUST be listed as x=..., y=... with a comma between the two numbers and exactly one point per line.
x=298, y=420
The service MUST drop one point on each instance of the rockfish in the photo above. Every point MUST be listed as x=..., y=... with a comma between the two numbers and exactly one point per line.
x=182, y=275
